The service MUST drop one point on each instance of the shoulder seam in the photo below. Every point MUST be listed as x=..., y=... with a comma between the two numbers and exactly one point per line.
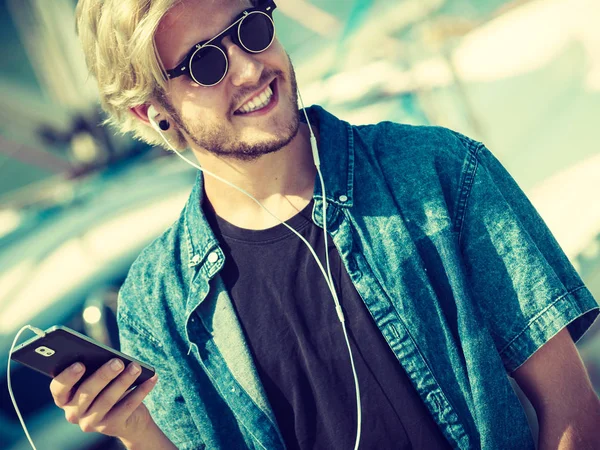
x=470, y=165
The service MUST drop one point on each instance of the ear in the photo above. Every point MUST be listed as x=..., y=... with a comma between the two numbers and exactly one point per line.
x=141, y=113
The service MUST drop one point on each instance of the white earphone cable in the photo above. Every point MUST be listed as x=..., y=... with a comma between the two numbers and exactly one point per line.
x=251, y=197
x=325, y=272
x=10, y=391
x=338, y=307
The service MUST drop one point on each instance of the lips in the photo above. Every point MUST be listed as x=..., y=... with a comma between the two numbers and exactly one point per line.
x=258, y=100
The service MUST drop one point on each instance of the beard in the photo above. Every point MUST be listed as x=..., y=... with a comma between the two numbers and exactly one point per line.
x=212, y=138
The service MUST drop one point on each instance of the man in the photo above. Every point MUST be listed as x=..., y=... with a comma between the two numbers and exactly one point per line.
x=447, y=278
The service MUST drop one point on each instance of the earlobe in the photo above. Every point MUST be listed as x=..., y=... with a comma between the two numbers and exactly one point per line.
x=150, y=116
x=153, y=117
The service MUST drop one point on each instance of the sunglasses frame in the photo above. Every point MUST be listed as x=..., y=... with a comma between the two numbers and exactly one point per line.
x=184, y=67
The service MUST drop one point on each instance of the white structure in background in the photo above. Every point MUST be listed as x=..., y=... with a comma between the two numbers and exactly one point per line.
x=532, y=35
x=569, y=202
x=516, y=42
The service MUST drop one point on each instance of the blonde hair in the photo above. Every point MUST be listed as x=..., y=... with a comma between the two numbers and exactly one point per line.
x=118, y=42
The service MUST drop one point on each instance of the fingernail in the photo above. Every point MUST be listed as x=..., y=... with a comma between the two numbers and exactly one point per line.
x=116, y=364
x=77, y=367
x=133, y=369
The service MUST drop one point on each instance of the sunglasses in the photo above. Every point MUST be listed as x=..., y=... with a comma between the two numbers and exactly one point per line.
x=253, y=30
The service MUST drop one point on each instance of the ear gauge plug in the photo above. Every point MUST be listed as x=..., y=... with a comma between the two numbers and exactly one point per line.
x=162, y=125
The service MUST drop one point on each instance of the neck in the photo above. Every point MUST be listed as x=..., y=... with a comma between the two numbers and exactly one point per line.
x=282, y=181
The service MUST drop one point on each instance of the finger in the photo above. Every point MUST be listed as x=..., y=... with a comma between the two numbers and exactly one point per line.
x=131, y=401
x=62, y=384
x=114, y=392
x=94, y=384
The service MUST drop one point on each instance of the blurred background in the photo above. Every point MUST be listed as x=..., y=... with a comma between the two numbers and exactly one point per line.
x=78, y=202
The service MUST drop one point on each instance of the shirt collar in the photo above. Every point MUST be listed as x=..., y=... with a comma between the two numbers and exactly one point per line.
x=199, y=238
x=336, y=152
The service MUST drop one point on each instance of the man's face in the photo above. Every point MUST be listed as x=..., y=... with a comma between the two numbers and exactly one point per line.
x=210, y=117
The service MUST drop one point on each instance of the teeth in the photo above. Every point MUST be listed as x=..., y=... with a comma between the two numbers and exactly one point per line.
x=258, y=102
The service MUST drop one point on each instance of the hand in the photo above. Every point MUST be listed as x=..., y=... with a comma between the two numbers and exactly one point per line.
x=99, y=404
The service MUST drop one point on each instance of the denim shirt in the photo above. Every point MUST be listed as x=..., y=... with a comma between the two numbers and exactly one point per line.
x=457, y=269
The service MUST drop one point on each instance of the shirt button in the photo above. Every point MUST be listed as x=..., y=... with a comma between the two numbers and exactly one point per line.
x=195, y=259
x=213, y=257
x=343, y=198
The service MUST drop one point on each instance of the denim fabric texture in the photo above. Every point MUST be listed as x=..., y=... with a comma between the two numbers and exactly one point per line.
x=458, y=270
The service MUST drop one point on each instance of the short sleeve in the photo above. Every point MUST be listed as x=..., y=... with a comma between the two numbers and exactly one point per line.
x=164, y=402
x=523, y=283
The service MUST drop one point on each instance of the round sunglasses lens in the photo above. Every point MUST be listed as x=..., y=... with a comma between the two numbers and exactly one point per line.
x=256, y=32
x=208, y=65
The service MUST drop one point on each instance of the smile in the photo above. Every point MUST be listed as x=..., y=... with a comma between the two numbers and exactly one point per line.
x=258, y=102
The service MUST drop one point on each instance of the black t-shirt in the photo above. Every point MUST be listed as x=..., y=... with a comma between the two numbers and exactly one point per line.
x=289, y=319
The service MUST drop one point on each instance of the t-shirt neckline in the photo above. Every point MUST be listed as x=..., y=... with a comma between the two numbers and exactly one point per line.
x=298, y=222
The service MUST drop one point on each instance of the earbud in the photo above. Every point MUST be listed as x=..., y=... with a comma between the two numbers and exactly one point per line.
x=162, y=125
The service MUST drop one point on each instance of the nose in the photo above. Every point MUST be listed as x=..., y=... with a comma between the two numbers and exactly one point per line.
x=244, y=68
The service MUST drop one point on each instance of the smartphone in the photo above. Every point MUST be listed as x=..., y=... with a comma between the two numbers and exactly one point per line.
x=61, y=347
